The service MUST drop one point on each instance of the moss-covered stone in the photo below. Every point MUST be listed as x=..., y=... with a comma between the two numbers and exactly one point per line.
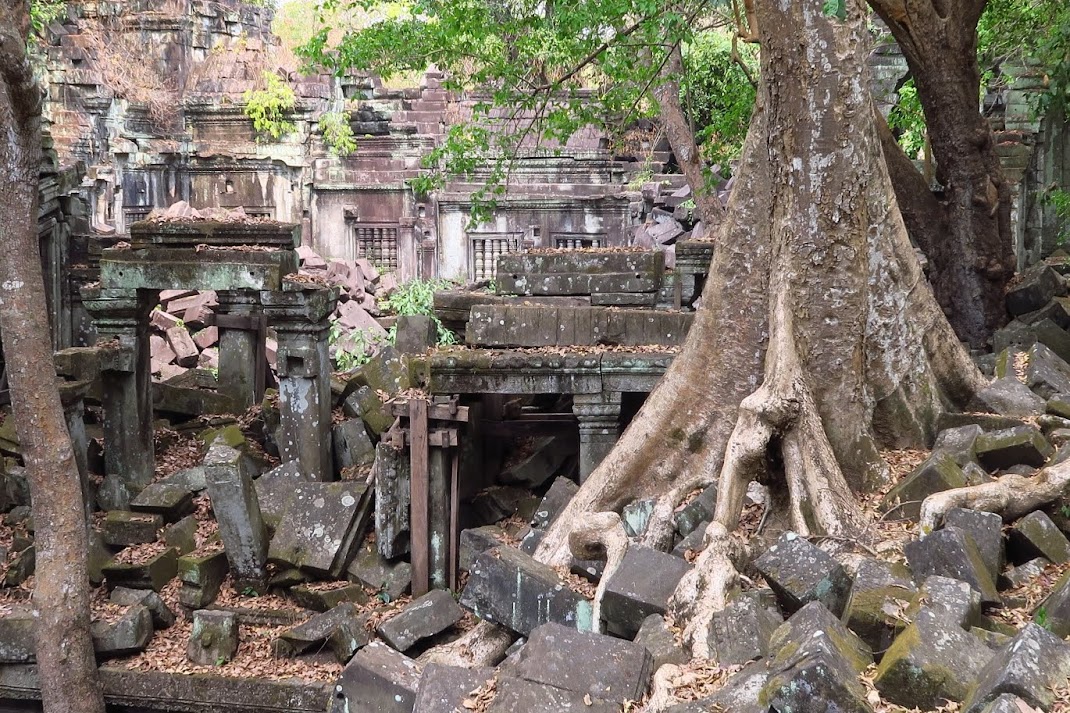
x=939, y=472
x=1021, y=445
x=153, y=574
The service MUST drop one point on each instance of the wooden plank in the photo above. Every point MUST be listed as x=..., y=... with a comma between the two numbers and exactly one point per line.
x=455, y=529
x=438, y=412
x=443, y=437
x=418, y=496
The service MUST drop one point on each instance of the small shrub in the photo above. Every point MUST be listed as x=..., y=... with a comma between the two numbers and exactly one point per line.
x=267, y=107
x=337, y=133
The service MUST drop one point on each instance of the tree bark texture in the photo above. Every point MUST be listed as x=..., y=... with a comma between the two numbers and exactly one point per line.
x=64, y=648
x=972, y=254
x=682, y=140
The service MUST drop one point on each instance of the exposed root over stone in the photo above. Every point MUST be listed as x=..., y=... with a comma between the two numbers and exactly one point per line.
x=484, y=644
x=600, y=535
x=1010, y=496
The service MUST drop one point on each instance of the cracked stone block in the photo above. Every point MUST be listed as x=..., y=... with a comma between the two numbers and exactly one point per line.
x=816, y=665
x=986, y=529
x=1056, y=608
x=162, y=616
x=659, y=640
x=214, y=637
x=800, y=572
x=477, y=540
x=512, y=589
x=1034, y=288
x=154, y=573
x=421, y=619
x=369, y=568
x=1021, y=445
x=444, y=688
x=951, y=552
x=237, y=510
x=515, y=694
x=557, y=497
x=366, y=405
x=123, y=528
x=930, y=662
x=380, y=679
x=937, y=473
x=953, y=599
x=741, y=631
x=1026, y=572
x=169, y=500
x=877, y=606
x=549, y=454
x=601, y=666
x=202, y=577
x=128, y=634
x=696, y=512
x=317, y=630
x=1030, y=666
x=322, y=527
x=352, y=445
x=636, y=515
x=640, y=586
x=958, y=443
x=274, y=489
x=318, y=598
x=347, y=639
x=1035, y=535
x=693, y=541
x=1047, y=374
x=1009, y=397
x=16, y=635
x=182, y=535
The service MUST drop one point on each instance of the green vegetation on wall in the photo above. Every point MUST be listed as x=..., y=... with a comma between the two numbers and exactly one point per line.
x=268, y=107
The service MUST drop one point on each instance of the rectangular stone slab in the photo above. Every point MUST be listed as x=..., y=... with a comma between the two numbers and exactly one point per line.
x=163, y=268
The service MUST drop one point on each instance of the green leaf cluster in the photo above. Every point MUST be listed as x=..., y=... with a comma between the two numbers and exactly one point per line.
x=337, y=133
x=268, y=107
x=417, y=297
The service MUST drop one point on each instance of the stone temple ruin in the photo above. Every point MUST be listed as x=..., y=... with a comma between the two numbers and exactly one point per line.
x=271, y=532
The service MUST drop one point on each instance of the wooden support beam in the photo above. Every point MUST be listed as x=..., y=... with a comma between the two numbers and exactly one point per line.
x=438, y=412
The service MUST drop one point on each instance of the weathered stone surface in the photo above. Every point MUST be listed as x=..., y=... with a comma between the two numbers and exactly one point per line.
x=931, y=661
x=1009, y=397
x=1035, y=287
x=153, y=573
x=951, y=552
x=162, y=616
x=182, y=345
x=659, y=640
x=953, y=599
x=128, y=634
x=510, y=588
x=1030, y=666
x=322, y=526
x=640, y=586
x=800, y=572
x=816, y=665
x=380, y=679
x=476, y=540
x=274, y=490
x=986, y=529
x=237, y=511
x=202, y=577
x=958, y=443
x=390, y=579
x=324, y=598
x=364, y=403
x=214, y=637
x=16, y=635
x=738, y=695
x=741, y=631
x=515, y=694
x=318, y=629
x=1007, y=703
x=421, y=619
x=443, y=689
x=192, y=479
x=347, y=639
x=1026, y=572
x=1056, y=608
x=182, y=535
x=876, y=607
x=352, y=445
x=415, y=334
x=697, y=511
x=1013, y=446
x=122, y=527
x=1035, y=535
x=169, y=500
x=1047, y=374
x=547, y=457
x=937, y=473
x=391, y=469
x=585, y=662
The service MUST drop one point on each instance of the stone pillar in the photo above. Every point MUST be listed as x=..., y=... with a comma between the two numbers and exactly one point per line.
x=72, y=396
x=599, y=423
x=299, y=317
x=241, y=347
x=241, y=526
x=121, y=318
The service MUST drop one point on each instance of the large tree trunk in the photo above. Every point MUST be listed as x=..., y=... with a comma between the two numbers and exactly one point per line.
x=972, y=261
x=66, y=665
